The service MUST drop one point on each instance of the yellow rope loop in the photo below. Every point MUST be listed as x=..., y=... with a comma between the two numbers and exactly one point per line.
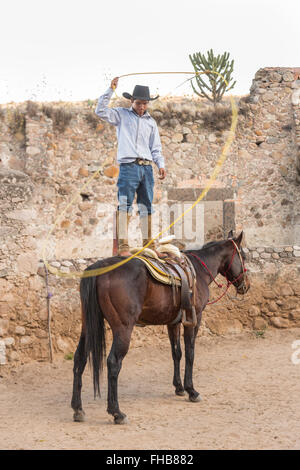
x=215, y=173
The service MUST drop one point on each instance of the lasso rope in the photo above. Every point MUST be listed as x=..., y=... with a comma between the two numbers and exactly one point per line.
x=216, y=171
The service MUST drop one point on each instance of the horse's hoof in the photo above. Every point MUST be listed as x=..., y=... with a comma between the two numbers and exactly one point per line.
x=79, y=416
x=195, y=398
x=180, y=393
x=120, y=419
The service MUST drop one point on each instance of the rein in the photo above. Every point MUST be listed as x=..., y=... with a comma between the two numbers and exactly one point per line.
x=229, y=283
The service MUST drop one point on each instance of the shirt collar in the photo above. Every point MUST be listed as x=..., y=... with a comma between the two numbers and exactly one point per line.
x=146, y=114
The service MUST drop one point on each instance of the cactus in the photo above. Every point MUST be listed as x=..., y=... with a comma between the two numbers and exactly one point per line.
x=221, y=69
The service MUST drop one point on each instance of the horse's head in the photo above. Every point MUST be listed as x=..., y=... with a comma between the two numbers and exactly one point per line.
x=234, y=264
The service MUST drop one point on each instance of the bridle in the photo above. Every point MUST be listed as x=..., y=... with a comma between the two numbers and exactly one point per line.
x=244, y=270
x=242, y=285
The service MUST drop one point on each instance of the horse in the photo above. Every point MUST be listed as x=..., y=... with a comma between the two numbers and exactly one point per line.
x=124, y=295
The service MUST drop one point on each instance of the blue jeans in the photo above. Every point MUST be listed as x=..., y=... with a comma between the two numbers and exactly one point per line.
x=135, y=179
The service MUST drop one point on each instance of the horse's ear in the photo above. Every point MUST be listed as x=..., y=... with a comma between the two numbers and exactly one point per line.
x=239, y=239
x=230, y=234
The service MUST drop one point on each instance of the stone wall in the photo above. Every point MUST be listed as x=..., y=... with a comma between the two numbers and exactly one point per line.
x=48, y=154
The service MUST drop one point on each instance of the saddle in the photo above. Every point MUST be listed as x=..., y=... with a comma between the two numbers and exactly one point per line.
x=179, y=273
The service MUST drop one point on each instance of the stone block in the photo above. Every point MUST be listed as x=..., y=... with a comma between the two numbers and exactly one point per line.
x=279, y=322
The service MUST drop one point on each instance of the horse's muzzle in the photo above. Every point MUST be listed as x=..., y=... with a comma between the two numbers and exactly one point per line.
x=244, y=286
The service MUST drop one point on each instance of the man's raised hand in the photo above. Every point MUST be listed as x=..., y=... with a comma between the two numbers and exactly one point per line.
x=114, y=83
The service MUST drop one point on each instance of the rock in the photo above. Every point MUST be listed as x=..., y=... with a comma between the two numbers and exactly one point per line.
x=75, y=155
x=65, y=224
x=20, y=330
x=2, y=353
x=296, y=97
x=279, y=322
x=176, y=138
x=83, y=172
x=100, y=127
x=33, y=151
x=296, y=253
x=288, y=77
x=259, y=324
x=55, y=264
x=295, y=315
x=268, y=96
x=4, y=325
x=254, y=311
x=286, y=290
x=224, y=327
x=85, y=206
x=265, y=255
x=268, y=294
x=26, y=341
x=67, y=263
x=283, y=170
x=111, y=171
x=9, y=341
x=27, y=263
x=272, y=306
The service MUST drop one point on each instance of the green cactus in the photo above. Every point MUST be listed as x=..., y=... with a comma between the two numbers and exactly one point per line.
x=220, y=68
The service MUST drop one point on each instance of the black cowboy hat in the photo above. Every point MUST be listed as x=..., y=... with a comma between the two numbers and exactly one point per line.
x=140, y=93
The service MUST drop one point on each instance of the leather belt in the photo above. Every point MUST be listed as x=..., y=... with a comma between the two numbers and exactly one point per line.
x=142, y=161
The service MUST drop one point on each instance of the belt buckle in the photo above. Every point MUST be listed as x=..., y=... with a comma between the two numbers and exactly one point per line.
x=140, y=162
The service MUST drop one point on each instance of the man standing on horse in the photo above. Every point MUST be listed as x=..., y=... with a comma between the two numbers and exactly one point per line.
x=138, y=146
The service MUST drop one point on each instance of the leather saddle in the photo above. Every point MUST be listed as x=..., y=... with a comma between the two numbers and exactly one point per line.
x=179, y=273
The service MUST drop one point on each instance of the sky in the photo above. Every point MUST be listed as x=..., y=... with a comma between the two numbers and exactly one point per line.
x=69, y=50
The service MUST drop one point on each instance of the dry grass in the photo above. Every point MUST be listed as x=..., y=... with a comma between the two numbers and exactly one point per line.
x=60, y=117
x=92, y=119
x=32, y=108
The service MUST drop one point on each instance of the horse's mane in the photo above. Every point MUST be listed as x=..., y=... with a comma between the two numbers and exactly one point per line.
x=210, y=244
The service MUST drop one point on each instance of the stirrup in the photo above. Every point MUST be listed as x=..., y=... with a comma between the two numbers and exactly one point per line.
x=186, y=322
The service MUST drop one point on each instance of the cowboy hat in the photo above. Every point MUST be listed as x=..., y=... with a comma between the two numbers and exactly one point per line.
x=140, y=93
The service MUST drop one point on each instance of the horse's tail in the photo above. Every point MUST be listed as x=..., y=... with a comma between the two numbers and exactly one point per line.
x=94, y=328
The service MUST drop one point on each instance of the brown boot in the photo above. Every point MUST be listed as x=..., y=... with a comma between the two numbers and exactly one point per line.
x=122, y=223
x=146, y=228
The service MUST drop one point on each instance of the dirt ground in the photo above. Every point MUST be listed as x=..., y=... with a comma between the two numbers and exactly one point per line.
x=249, y=385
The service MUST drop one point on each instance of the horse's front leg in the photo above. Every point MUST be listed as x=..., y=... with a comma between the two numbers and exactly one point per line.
x=174, y=337
x=120, y=346
x=190, y=334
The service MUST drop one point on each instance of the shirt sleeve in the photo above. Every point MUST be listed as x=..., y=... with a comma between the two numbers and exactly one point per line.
x=110, y=115
x=155, y=148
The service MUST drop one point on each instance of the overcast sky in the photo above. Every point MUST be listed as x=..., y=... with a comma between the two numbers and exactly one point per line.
x=70, y=49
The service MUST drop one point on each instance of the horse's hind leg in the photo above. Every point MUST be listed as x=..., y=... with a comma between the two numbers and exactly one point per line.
x=190, y=334
x=174, y=336
x=80, y=359
x=120, y=346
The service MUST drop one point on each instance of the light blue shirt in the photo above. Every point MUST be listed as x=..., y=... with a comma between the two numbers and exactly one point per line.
x=138, y=136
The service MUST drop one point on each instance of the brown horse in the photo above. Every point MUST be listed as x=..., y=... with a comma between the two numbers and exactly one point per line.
x=129, y=293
